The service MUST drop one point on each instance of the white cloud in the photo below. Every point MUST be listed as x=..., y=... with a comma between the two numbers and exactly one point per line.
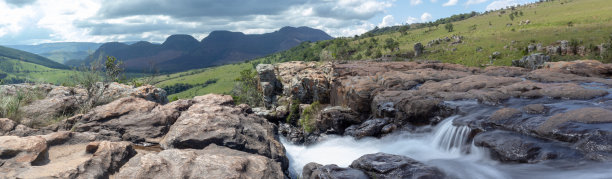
x=388, y=20
x=416, y=2
x=504, y=3
x=411, y=20
x=426, y=17
x=451, y=3
x=470, y=2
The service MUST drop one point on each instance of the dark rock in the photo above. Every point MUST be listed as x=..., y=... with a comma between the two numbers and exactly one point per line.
x=333, y=120
x=535, y=109
x=372, y=127
x=513, y=147
x=381, y=165
x=418, y=49
x=318, y=171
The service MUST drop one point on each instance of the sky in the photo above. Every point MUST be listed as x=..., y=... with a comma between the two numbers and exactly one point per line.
x=24, y=22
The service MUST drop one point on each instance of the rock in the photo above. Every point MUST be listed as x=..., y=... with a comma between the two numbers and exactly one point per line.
x=588, y=68
x=418, y=49
x=316, y=171
x=107, y=160
x=534, y=109
x=307, y=82
x=214, y=120
x=26, y=150
x=333, y=120
x=211, y=162
x=6, y=126
x=495, y=55
x=372, y=127
x=150, y=93
x=133, y=119
x=512, y=147
x=505, y=114
x=583, y=115
x=505, y=71
x=531, y=48
x=268, y=84
x=532, y=62
x=381, y=165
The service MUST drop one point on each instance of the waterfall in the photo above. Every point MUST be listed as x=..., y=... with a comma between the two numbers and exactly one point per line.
x=448, y=137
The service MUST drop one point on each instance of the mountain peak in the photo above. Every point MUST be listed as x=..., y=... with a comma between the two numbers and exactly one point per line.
x=180, y=42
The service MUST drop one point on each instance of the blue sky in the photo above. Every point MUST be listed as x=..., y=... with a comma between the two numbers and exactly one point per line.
x=43, y=21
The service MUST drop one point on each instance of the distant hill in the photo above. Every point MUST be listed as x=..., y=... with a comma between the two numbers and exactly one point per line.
x=183, y=52
x=10, y=53
x=61, y=52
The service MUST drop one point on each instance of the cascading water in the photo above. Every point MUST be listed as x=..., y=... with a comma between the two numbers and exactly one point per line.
x=441, y=148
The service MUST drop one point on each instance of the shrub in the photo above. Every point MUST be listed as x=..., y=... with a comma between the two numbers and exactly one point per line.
x=245, y=89
x=294, y=112
x=307, y=121
x=11, y=103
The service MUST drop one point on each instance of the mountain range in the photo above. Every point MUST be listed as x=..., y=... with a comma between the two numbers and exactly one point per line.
x=184, y=52
x=61, y=52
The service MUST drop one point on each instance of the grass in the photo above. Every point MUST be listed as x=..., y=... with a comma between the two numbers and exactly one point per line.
x=11, y=103
x=30, y=72
x=307, y=118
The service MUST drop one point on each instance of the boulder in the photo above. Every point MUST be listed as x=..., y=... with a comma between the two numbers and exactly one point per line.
x=211, y=162
x=582, y=115
x=535, y=109
x=268, y=84
x=130, y=118
x=513, y=147
x=307, y=82
x=382, y=165
x=6, y=125
x=372, y=127
x=23, y=150
x=532, y=62
x=418, y=49
x=334, y=119
x=505, y=114
x=318, y=171
x=213, y=119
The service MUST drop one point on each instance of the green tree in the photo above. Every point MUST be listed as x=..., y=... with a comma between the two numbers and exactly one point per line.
x=511, y=16
x=449, y=27
x=391, y=44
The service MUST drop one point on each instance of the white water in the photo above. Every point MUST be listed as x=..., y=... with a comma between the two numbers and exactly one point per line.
x=440, y=148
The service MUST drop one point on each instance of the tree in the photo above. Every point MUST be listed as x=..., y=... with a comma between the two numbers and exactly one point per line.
x=404, y=29
x=391, y=44
x=449, y=27
x=511, y=17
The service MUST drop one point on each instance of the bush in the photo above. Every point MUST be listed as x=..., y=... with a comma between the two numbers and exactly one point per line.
x=245, y=89
x=294, y=112
x=11, y=103
x=307, y=121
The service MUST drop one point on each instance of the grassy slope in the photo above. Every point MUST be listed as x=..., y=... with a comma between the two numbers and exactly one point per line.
x=33, y=72
x=591, y=25
x=29, y=57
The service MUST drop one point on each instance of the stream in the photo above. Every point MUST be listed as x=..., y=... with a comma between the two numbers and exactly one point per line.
x=447, y=146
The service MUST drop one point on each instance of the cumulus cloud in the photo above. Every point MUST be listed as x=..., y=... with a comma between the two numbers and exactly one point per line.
x=411, y=20
x=388, y=20
x=416, y=2
x=20, y=2
x=504, y=3
x=451, y=3
x=426, y=17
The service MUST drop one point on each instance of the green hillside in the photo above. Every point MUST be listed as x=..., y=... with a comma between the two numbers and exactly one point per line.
x=16, y=71
x=586, y=23
x=11, y=53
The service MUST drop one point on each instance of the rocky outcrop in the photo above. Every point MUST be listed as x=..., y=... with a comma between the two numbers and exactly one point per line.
x=213, y=119
x=106, y=160
x=211, y=162
x=381, y=165
x=269, y=85
x=588, y=68
x=26, y=150
x=418, y=49
x=532, y=62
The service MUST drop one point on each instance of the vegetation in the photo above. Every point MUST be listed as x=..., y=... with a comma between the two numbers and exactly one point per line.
x=449, y=27
x=245, y=91
x=307, y=118
x=10, y=103
x=29, y=57
x=294, y=112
